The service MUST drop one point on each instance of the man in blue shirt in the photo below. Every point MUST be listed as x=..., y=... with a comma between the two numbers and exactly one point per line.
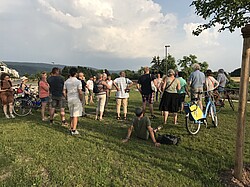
x=196, y=82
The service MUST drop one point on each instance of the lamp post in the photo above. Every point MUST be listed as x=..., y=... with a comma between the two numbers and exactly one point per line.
x=166, y=57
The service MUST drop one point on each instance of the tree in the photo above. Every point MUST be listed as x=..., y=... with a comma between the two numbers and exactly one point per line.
x=229, y=14
x=160, y=65
x=187, y=62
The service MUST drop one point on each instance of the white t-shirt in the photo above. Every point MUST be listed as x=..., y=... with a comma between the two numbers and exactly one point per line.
x=122, y=83
x=90, y=84
x=73, y=85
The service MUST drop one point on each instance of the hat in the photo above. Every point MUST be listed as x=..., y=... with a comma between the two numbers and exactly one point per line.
x=138, y=112
x=23, y=78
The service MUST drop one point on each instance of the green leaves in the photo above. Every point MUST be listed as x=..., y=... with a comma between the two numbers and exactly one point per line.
x=229, y=14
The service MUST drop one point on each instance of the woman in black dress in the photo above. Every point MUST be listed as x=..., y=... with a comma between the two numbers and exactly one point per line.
x=169, y=100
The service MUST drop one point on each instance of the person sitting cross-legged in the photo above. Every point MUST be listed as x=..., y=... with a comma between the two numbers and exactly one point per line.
x=142, y=127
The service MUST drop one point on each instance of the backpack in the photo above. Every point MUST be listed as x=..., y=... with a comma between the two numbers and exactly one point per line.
x=95, y=88
x=168, y=139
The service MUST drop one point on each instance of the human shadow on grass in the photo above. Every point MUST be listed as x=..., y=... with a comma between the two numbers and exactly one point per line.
x=137, y=147
x=113, y=139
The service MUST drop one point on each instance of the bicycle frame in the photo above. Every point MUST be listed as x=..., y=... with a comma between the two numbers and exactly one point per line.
x=192, y=125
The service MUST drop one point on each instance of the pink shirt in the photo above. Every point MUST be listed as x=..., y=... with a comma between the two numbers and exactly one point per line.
x=43, y=89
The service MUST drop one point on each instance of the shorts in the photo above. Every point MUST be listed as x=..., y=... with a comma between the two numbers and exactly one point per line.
x=7, y=97
x=91, y=93
x=45, y=99
x=182, y=97
x=58, y=102
x=195, y=95
x=221, y=89
x=148, y=98
x=75, y=108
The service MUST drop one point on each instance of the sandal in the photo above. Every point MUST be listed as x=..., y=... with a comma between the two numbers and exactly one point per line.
x=118, y=118
x=125, y=118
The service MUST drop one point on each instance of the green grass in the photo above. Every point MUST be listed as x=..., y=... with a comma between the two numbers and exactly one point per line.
x=33, y=153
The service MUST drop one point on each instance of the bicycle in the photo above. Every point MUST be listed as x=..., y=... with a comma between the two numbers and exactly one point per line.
x=220, y=102
x=23, y=105
x=195, y=116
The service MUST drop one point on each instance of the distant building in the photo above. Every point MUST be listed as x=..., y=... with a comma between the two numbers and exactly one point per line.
x=5, y=69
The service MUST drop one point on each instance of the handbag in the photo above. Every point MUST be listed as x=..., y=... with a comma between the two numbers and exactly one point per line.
x=153, y=87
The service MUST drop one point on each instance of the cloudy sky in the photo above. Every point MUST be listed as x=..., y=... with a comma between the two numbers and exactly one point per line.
x=112, y=34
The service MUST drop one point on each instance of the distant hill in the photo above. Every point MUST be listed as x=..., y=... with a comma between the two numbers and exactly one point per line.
x=236, y=73
x=31, y=68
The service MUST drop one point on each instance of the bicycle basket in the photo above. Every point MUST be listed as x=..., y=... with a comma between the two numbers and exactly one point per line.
x=194, y=111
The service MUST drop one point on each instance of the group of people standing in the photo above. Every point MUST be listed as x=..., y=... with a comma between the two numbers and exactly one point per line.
x=54, y=91
x=173, y=88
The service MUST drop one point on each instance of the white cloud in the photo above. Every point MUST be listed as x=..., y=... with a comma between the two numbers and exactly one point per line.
x=207, y=38
x=131, y=28
x=113, y=34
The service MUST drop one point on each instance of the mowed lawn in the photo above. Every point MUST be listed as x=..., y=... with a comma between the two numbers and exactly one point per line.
x=34, y=153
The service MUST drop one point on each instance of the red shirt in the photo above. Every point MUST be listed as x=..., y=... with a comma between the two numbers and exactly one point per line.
x=43, y=89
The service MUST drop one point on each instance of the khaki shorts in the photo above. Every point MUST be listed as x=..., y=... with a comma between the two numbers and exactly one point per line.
x=75, y=109
x=195, y=95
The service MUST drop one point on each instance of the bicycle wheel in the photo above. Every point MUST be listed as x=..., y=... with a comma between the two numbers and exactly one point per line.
x=22, y=107
x=214, y=115
x=231, y=102
x=192, y=127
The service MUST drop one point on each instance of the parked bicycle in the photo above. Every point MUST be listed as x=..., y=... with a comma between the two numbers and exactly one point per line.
x=220, y=101
x=195, y=116
x=23, y=105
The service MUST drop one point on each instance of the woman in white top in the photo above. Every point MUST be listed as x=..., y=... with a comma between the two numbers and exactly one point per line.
x=211, y=82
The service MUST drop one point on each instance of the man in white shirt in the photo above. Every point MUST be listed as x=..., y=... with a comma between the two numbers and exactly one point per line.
x=73, y=91
x=90, y=86
x=122, y=85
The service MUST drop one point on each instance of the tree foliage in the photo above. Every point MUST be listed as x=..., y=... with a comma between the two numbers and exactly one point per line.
x=160, y=65
x=229, y=14
x=187, y=62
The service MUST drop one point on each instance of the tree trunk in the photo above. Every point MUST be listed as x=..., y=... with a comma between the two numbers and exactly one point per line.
x=241, y=119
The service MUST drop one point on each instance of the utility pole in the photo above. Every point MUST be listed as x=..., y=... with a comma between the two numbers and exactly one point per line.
x=166, y=57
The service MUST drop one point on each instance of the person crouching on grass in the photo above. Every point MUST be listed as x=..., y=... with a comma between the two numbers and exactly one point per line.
x=142, y=126
x=73, y=91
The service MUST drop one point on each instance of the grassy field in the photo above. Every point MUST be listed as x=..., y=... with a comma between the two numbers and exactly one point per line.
x=33, y=153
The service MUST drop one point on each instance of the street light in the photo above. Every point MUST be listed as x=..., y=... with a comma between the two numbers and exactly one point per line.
x=166, y=57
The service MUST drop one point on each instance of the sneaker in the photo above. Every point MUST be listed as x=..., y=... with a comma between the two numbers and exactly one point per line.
x=7, y=116
x=12, y=116
x=74, y=132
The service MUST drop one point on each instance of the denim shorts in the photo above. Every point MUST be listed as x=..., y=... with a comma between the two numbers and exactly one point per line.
x=45, y=99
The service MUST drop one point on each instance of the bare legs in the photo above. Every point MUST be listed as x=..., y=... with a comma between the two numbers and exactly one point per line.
x=165, y=117
x=44, y=104
x=5, y=110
